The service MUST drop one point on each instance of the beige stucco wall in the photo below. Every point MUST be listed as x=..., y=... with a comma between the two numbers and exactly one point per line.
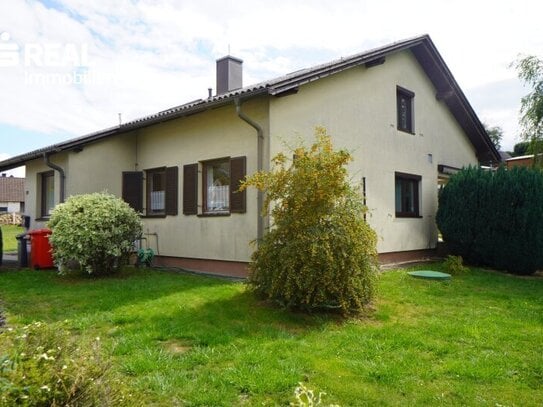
x=210, y=135
x=98, y=167
x=213, y=134
x=358, y=108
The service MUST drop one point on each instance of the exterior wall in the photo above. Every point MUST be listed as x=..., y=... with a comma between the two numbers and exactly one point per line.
x=358, y=108
x=210, y=135
x=98, y=167
x=91, y=170
x=33, y=187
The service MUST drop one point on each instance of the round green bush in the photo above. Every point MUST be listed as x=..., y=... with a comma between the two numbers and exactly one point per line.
x=95, y=232
x=494, y=218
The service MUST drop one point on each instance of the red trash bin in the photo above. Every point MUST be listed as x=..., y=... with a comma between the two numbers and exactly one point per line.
x=40, y=249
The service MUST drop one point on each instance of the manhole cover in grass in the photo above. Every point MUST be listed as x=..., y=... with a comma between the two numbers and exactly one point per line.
x=429, y=274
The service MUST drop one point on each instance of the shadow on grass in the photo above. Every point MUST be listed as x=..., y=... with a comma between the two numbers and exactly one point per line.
x=44, y=295
x=163, y=304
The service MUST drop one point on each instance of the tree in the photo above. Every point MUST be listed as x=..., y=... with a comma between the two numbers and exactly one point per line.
x=94, y=233
x=319, y=252
x=496, y=135
x=520, y=149
x=530, y=71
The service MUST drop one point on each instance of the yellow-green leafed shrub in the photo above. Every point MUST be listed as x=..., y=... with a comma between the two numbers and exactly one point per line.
x=95, y=231
x=319, y=252
x=43, y=365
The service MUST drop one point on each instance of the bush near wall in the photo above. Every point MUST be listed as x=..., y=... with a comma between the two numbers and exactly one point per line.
x=95, y=231
x=320, y=252
x=494, y=218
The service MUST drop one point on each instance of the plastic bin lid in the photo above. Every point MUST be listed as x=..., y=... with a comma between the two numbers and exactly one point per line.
x=43, y=231
x=429, y=274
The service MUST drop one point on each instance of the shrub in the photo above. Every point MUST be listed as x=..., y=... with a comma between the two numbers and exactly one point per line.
x=494, y=218
x=320, y=252
x=95, y=231
x=43, y=365
x=454, y=265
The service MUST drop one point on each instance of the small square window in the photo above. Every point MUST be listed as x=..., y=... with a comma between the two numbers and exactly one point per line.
x=156, y=191
x=405, y=101
x=216, y=175
x=407, y=193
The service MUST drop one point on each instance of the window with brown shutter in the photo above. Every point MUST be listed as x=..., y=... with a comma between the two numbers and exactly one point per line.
x=237, y=175
x=172, y=182
x=132, y=191
x=190, y=189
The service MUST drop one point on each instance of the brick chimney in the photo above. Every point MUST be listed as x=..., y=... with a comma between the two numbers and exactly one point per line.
x=229, y=74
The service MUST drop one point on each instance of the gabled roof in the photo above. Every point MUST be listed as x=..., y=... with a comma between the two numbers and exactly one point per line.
x=12, y=189
x=422, y=47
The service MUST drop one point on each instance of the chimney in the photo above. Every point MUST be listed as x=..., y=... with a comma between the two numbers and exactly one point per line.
x=229, y=74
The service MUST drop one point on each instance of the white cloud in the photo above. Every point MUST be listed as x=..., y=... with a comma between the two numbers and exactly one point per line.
x=145, y=56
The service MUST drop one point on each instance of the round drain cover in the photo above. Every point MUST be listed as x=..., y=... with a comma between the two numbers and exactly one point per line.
x=433, y=275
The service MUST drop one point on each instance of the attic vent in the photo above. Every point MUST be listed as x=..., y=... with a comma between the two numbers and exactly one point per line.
x=229, y=74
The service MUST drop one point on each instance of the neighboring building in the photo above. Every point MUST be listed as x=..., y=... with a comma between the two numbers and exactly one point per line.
x=520, y=161
x=397, y=108
x=12, y=194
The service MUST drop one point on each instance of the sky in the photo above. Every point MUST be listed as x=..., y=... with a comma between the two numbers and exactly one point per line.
x=73, y=67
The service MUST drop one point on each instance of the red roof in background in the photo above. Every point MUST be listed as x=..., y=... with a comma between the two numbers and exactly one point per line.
x=12, y=189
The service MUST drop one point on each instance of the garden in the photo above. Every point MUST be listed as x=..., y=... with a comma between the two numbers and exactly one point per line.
x=171, y=338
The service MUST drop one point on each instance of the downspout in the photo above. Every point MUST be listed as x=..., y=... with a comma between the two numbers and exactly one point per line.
x=259, y=165
x=61, y=173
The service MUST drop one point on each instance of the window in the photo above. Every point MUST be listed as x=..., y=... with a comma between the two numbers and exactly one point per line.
x=216, y=186
x=405, y=99
x=3, y=209
x=407, y=195
x=220, y=181
x=161, y=190
x=156, y=191
x=47, y=193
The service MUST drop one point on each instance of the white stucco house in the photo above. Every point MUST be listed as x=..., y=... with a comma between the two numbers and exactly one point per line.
x=397, y=108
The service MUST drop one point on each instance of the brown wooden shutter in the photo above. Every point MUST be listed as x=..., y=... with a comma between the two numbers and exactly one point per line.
x=190, y=189
x=237, y=175
x=133, y=189
x=172, y=190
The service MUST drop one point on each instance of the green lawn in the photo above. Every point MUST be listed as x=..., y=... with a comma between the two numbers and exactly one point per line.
x=8, y=234
x=180, y=339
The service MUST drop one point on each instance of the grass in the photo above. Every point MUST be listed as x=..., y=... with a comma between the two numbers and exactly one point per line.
x=9, y=232
x=179, y=339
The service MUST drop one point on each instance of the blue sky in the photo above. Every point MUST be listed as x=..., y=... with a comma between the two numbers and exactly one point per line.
x=82, y=63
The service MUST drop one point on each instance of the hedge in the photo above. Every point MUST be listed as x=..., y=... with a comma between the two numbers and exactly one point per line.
x=494, y=218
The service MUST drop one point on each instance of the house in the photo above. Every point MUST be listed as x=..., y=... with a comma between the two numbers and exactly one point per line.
x=397, y=108
x=12, y=194
x=520, y=161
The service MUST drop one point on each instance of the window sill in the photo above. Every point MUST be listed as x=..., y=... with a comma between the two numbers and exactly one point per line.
x=213, y=215
x=408, y=215
x=42, y=219
x=154, y=216
x=406, y=131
